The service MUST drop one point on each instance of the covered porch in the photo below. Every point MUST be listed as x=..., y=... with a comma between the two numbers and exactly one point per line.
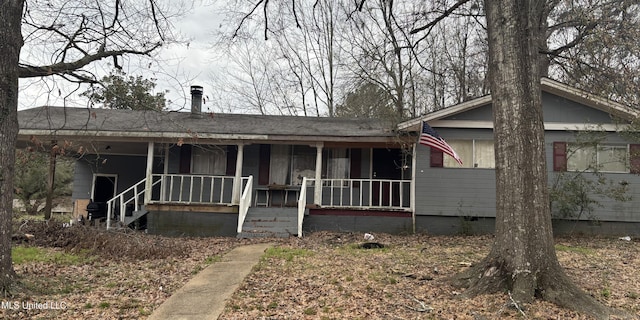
x=371, y=179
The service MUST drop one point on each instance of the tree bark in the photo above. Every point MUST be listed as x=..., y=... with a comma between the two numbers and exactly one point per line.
x=523, y=259
x=10, y=45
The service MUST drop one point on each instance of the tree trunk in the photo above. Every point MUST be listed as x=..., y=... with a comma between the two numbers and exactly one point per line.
x=51, y=181
x=523, y=259
x=10, y=45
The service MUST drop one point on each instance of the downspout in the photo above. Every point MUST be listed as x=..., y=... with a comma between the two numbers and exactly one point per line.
x=148, y=176
x=237, y=180
x=317, y=185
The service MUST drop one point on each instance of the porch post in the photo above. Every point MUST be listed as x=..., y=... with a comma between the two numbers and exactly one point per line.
x=148, y=182
x=165, y=171
x=412, y=203
x=317, y=195
x=237, y=180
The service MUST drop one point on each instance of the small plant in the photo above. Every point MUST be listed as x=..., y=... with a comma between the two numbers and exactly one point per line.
x=144, y=312
x=104, y=305
x=310, y=311
x=582, y=250
x=88, y=305
x=21, y=254
x=606, y=293
x=285, y=253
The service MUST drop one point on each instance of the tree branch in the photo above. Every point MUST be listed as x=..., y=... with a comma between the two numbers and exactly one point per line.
x=246, y=16
x=445, y=14
x=28, y=71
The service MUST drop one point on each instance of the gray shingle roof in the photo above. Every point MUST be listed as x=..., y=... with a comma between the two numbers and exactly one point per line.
x=114, y=123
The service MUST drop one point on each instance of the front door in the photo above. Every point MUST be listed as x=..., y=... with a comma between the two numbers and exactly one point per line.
x=386, y=164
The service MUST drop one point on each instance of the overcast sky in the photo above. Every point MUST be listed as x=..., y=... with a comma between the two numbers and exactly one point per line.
x=177, y=67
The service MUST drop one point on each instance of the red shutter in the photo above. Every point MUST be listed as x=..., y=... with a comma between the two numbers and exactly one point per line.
x=185, y=159
x=634, y=158
x=263, y=165
x=232, y=156
x=356, y=164
x=437, y=158
x=559, y=156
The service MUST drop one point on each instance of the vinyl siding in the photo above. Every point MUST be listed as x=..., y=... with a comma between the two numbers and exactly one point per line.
x=471, y=192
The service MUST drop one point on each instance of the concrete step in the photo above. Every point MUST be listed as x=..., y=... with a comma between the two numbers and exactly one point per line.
x=270, y=222
x=254, y=235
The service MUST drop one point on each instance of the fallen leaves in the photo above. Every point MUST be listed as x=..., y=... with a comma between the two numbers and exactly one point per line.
x=321, y=276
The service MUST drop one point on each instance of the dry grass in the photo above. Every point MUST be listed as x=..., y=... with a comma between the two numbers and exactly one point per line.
x=322, y=276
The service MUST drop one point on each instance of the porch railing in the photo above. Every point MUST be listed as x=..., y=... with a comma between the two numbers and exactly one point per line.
x=245, y=202
x=365, y=193
x=134, y=194
x=194, y=189
x=302, y=204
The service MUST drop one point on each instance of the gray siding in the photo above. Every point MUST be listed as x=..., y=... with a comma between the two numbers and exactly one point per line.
x=129, y=169
x=471, y=192
x=558, y=109
x=555, y=109
x=610, y=210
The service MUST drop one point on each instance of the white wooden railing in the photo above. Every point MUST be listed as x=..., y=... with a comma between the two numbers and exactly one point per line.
x=366, y=193
x=194, y=189
x=302, y=204
x=133, y=194
x=245, y=202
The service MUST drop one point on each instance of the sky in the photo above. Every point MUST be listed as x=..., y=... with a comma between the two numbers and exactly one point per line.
x=176, y=67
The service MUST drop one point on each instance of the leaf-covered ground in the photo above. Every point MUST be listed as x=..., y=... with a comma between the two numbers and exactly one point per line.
x=322, y=276
x=328, y=276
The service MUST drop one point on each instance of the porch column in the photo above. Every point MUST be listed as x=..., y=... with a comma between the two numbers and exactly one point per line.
x=165, y=171
x=317, y=195
x=412, y=194
x=237, y=180
x=148, y=182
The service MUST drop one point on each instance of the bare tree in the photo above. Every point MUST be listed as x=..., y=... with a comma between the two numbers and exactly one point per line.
x=61, y=38
x=523, y=260
x=593, y=45
x=303, y=63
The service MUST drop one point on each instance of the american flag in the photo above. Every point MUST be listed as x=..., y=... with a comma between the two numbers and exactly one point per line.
x=431, y=138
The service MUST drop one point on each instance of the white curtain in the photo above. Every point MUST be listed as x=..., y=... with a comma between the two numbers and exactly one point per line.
x=280, y=163
x=338, y=164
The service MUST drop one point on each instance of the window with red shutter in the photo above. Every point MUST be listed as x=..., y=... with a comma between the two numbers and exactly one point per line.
x=559, y=156
x=437, y=158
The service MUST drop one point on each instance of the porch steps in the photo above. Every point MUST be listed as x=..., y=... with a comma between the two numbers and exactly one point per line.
x=134, y=216
x=270, y=223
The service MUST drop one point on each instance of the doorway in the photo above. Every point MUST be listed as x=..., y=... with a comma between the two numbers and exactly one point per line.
x=104, y=187
x=386, y=164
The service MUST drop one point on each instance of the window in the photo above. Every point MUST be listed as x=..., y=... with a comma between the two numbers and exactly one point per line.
x=209, y=160
x=303, y=164
x=279, y=164
x=607, y=158
x=474, y=154
x=336, y=163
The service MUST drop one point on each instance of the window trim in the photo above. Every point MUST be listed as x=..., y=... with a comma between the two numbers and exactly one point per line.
x=632, y=160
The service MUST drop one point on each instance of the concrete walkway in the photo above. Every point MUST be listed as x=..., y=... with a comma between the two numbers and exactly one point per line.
x=206, y=294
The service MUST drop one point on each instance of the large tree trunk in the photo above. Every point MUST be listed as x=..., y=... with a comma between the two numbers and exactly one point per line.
x=523, y=259
x=10, y=45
